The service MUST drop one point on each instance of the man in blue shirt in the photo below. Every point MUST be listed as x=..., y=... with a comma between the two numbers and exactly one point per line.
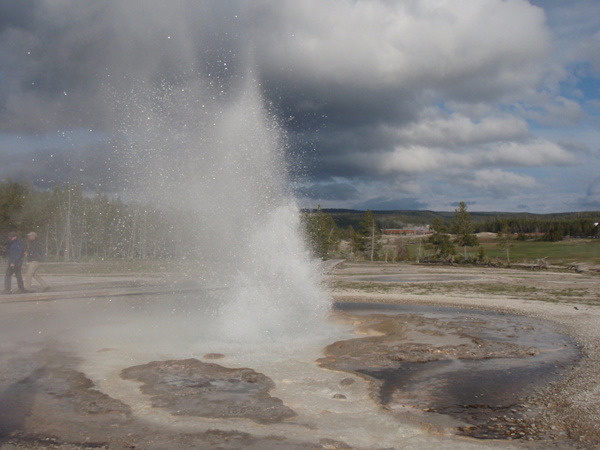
x=16, y=253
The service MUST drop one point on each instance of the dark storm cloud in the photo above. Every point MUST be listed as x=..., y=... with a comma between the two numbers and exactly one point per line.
x=91, y=167
x=16, y=14
x=339, y=149
x=50, y=69
x=62, y=62
x=328, y=191
x=69, y=67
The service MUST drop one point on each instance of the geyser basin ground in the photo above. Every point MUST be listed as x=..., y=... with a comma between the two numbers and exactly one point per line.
x=116, y=371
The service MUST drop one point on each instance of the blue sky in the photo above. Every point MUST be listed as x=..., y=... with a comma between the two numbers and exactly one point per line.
x=406, y=104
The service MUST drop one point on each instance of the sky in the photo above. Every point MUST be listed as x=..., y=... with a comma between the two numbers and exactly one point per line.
x=384, y=104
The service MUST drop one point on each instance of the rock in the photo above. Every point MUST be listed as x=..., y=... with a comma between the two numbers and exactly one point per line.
x=194, y=388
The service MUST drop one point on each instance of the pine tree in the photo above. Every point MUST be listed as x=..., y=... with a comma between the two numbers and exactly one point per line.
x=462, y=228
x=440, y=240
x=12, y=199
x=321, y=231
x=357, y=245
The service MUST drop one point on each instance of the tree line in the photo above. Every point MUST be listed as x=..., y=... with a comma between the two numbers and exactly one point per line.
x=551, y=227
x=574, y=224
x=448, y=231
x=75, y=227
x=324, y=236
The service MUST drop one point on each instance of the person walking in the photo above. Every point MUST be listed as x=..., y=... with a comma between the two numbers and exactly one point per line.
x=35, y=256
x=16, y=253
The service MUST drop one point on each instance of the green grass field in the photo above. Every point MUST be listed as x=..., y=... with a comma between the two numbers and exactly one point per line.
x=561, y=253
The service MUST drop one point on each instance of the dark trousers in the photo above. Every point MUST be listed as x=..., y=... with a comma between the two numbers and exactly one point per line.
x=16, y=269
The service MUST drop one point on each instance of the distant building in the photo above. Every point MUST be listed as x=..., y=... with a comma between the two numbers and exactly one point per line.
x=408, y=231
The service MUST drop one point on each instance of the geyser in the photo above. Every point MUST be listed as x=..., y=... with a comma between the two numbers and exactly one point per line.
x=217, y=159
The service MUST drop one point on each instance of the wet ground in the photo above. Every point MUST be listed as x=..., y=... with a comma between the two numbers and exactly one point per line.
x=129, y=371
x=194, y=388
x=478, y=368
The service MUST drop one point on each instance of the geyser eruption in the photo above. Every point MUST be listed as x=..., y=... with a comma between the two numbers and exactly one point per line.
x=217, y=159
x=173, y=87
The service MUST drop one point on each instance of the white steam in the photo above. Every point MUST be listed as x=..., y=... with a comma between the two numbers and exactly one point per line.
x=217, y=158
x=276, y=292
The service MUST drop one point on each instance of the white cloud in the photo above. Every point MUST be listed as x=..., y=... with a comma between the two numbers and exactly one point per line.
x=498, y=182
x=552, y=110
x=376, y=43
x=417, y=159
x=414, y=159
x=538, y=152
x=456, y=129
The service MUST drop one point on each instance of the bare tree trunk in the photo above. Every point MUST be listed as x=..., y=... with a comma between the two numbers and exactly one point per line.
x=59, y=243
x=373, y=241
x=46, y=239
x=68, y=228
x=144, y=238
x=132, y=242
